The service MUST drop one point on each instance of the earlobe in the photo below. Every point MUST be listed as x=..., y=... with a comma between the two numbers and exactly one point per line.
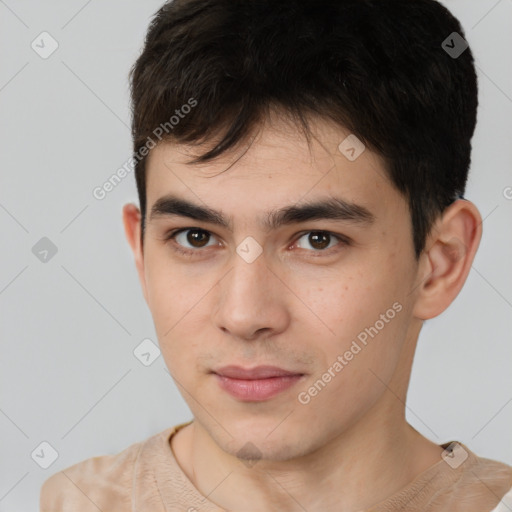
x=447, y=259
x=132, y=229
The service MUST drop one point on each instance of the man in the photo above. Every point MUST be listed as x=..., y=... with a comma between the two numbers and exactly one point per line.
x=300, y=168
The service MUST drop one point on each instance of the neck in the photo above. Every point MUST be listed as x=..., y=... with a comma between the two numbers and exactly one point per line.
x=361, y=467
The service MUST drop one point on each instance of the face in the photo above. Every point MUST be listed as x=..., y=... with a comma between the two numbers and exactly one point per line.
x=269, y=279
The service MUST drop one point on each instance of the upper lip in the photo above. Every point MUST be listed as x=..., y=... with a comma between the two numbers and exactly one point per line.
x=258, y=372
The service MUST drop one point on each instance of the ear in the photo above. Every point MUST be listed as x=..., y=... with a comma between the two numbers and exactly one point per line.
x=447, y=259
x=132, y=229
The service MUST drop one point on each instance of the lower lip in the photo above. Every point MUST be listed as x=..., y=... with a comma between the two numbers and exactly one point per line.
x=256, y=390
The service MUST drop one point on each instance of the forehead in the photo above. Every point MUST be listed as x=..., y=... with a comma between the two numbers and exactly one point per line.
x=275, y=166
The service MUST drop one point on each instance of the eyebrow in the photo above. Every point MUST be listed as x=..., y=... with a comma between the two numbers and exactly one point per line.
x=328, y=208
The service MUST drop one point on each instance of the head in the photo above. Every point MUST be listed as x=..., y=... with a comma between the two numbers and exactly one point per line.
x=317, y=152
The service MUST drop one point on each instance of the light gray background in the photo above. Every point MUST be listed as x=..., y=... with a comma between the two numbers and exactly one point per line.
x=68, y=327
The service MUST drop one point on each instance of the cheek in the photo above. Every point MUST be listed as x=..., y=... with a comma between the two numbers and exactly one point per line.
x=359, y=363
x=172, y=297
x=359, y=314
x=171, y=291
x=342, y=303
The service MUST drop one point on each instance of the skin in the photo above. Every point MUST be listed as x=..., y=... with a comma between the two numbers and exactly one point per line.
x=297, y=306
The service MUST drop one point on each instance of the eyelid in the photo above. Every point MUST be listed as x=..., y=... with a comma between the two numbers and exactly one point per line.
x=342, y=238
x=343, y=241
x=171, y=235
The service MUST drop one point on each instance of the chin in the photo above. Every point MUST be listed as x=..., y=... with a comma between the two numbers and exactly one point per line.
x=265, y=442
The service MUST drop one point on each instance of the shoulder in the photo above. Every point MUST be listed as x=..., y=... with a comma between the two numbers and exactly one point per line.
x=483, y=483
x=98, y=483
x=505, y=505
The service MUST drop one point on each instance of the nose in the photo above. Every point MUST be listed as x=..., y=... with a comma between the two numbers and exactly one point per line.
x=252, y=302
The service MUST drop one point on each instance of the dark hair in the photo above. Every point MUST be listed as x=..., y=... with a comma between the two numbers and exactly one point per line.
x=375, y=67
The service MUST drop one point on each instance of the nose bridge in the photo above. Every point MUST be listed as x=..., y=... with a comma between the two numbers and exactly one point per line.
x=249, y=277
x=247, y=300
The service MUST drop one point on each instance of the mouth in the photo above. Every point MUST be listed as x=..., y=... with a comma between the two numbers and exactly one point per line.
x=256, y=384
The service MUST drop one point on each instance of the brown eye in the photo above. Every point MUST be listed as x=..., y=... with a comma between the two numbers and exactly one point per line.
x=197, y=238
x=318, y=240
x=190, y=239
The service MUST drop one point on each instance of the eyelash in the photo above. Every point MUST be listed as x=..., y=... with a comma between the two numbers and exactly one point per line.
x=191, y=253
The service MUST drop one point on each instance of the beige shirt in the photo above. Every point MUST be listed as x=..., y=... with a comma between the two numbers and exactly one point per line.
x=145, y=477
